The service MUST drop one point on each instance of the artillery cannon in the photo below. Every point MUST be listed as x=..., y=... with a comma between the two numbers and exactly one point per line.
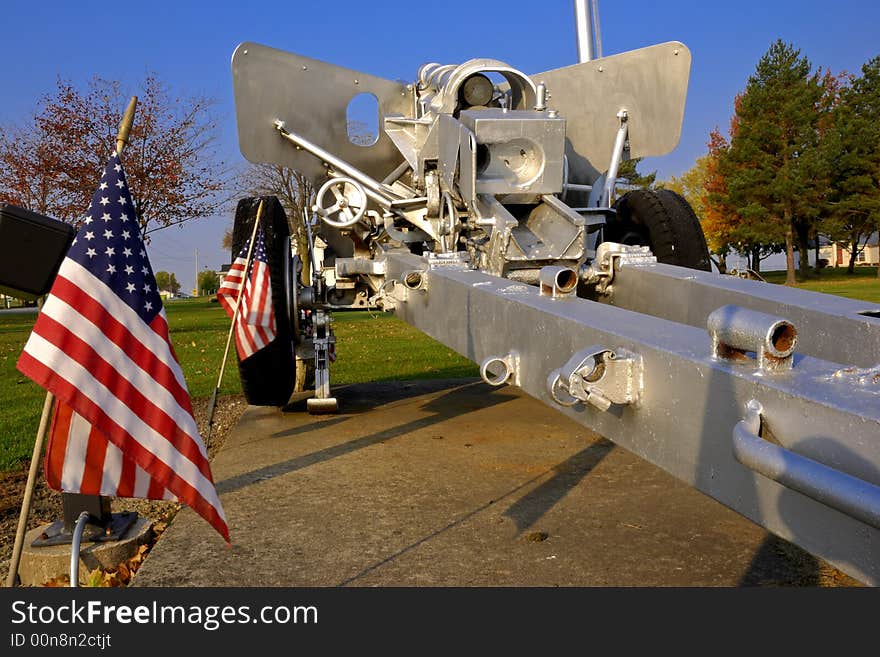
x=485, y=214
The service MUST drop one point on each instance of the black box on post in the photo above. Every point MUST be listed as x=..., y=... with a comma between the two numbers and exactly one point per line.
x=32, y=247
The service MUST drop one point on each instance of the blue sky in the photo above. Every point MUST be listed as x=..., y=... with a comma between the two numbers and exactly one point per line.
x=189, y=44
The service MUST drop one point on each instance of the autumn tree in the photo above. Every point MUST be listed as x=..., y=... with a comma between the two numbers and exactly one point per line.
x=52, y=164
x=771, y=164
x=852, y=153
x=167, y=282
x=699, y=186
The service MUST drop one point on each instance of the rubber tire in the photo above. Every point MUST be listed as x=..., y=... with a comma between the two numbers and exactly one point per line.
x=268, y=376
x=664, y=221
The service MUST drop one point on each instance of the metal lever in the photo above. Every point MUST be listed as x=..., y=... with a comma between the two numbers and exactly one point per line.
x=850, y=495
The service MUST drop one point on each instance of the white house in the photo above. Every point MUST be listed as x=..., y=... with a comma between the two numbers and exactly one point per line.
x=838, y=253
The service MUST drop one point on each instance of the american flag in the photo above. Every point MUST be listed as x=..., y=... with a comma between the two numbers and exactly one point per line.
x=255, y=325
x=100, y=345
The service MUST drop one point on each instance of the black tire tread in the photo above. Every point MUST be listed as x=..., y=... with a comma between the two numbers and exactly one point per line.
x=268, y=376
x=664, y=221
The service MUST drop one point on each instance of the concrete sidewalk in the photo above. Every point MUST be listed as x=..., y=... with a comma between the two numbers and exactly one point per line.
x=455, y=483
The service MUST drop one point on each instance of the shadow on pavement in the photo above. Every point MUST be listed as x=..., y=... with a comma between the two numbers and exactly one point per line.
x=456, y=402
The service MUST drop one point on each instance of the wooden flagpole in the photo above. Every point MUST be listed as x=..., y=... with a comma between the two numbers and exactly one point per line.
x=12, y=576
x=247, y=267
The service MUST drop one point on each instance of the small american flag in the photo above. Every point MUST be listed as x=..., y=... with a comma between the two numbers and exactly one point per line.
x=123, y=424
x=255, y=325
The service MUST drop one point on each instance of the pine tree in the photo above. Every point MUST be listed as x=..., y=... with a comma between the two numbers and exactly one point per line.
x=770, y=167
x=852, y=153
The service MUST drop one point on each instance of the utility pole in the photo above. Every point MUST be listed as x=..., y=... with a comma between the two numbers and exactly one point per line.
x=197, y=273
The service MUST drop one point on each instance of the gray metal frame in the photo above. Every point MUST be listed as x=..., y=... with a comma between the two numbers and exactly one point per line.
x=830, y=327
x=689, y=405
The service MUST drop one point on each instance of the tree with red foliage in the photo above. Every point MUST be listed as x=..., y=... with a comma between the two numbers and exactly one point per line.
x=51, y=164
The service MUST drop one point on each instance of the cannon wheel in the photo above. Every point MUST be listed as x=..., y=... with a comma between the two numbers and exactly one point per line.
x=268, y=377
x=664, y=221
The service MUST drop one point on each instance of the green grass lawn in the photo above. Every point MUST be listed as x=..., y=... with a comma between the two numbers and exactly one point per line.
x=371, y=347
x=863, y=284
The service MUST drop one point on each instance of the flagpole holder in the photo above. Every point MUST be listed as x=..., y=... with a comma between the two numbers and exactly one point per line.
x=102, y=526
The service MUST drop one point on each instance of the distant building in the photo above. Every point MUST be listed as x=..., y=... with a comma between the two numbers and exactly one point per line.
x=838, y=253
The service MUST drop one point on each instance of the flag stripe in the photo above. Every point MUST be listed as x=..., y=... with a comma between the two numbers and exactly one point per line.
x=156, y=453
x=69, y=347
x=75, y=458
x=127, y=477
x=228, y=292
x=56, y=456
x=113, y=460
x=133, y=360
x=197, y=493
x=114, y=308
x=119, y=323
x=96, y=451
x=76, y=447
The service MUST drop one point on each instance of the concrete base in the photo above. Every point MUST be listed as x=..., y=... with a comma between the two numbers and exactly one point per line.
x=455, y=483
x=40, y=564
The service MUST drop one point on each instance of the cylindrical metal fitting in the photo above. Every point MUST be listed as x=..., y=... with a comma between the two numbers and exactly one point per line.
x=414, y=280
x=496, y=370
x=748, y=330
x=541, y=97
x=476, y=90
x=557, y=281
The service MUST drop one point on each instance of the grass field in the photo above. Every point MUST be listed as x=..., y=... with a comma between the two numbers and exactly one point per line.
x=863, y=285
x=371, y=347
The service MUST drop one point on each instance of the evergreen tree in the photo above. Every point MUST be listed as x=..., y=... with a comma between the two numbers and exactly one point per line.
x=628, y=172
x=852, y=155
x=771, y=165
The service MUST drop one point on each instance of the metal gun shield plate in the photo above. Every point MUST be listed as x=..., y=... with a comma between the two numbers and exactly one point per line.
x=312, y=97
x=649, y=83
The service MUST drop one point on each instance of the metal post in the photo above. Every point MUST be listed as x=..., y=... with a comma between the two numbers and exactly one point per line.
x=379, y=191
x=586, y=19
x=597, y=30
x=614, y=167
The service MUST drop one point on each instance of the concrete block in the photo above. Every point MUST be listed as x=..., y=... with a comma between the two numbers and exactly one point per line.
x=40, y=564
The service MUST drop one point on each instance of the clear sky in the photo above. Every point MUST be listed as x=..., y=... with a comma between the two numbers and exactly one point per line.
x=189, y=44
